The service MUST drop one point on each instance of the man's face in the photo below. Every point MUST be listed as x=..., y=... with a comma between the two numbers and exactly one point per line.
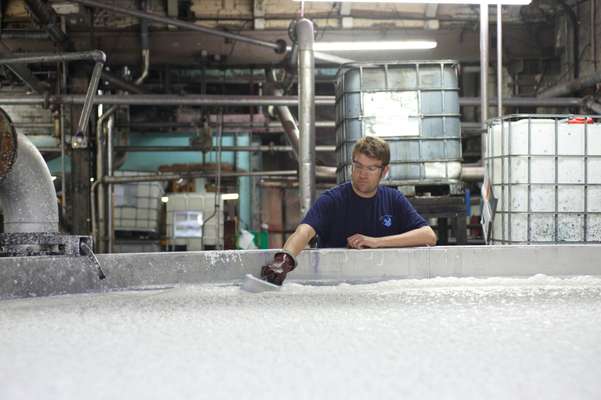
x=367, y=173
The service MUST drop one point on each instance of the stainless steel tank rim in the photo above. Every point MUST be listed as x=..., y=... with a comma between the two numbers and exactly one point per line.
x=580, y=184
x=586, y=213
x=539, y=242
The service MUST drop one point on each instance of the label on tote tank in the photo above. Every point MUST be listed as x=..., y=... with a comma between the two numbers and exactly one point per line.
x=390, y=114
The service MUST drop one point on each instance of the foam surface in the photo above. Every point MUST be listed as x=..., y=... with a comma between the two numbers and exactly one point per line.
x=471, y=338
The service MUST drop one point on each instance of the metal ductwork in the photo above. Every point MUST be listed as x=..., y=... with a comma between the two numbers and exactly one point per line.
x=26, y=190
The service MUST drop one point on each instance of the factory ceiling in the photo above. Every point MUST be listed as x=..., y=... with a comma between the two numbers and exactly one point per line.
x=528, y=30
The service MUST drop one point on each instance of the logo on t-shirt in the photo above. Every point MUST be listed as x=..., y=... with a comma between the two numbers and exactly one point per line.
x=386, y=220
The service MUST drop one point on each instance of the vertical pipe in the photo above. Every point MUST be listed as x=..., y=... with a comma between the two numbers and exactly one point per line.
x=499, y=61
x=218, y=193
x=109, y=165
x=483, y=72
x=306, y=84
x=99, y=227
x=594, y=32
x=63, y=90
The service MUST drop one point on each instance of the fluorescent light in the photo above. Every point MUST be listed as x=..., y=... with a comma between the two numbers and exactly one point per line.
x=230, y=196
x=373, y=45
x=165, y=199
x=507, y=2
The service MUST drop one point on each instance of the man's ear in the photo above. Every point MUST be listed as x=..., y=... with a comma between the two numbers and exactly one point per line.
x=385, y=172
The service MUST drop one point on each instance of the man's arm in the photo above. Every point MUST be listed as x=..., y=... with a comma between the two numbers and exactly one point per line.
x=423, y=236
x=299, y=239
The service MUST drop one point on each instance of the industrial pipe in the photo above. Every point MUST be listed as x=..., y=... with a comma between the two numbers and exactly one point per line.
x=279, y=47
x=108, y=116
x=121, y=84
x=472, y=173
x=242, y=125
x=46, y=17
x=235, y=100
x=79, y=139
x=593, y=106
x=483, y=73
x=93, y=55
x=262, y=148
x=285, y=116
x=109, y=166
x=499, y=60
x=572, y=86
x=525, y=101
x=185, y=175
x=306, y=112
x=27, y=193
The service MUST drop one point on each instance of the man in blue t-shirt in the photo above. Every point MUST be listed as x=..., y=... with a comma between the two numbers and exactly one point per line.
x=358, y=214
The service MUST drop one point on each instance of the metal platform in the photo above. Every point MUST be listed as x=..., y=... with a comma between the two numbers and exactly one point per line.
x=43, y=276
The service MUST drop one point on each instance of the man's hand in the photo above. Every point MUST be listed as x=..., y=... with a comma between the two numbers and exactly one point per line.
x=276, y=271
x=358, y=241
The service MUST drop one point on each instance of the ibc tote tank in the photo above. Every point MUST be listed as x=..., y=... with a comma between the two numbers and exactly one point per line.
x=414, y=106
x=545, y=173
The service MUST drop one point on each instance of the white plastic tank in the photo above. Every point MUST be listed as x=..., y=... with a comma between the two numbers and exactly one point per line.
x=414, y=106
x=192, y=221
x=545, y=174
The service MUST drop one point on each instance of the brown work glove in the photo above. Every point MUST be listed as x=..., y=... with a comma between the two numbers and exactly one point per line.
x=275, y=272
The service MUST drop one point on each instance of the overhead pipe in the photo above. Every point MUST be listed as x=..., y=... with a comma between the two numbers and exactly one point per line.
x=92, y=55
x=248, y=101
x=262, y=148
x=122, y=84
x=242, y=125
x=24, y=73
x=524, y=101
x=279, y=46
x=188, y=175
x=593, y=106
x=572, y=86
x=24, y=35
x=27, y=192
x=306, y=112
x=46, y=17
x=79, y=138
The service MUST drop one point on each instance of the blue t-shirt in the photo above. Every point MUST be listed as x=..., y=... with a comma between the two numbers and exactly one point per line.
x=340, y=212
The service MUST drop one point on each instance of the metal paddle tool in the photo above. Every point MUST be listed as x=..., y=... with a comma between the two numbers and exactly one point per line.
x=253, y=284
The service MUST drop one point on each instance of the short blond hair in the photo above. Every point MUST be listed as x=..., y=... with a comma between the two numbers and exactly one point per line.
x=373, y=147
